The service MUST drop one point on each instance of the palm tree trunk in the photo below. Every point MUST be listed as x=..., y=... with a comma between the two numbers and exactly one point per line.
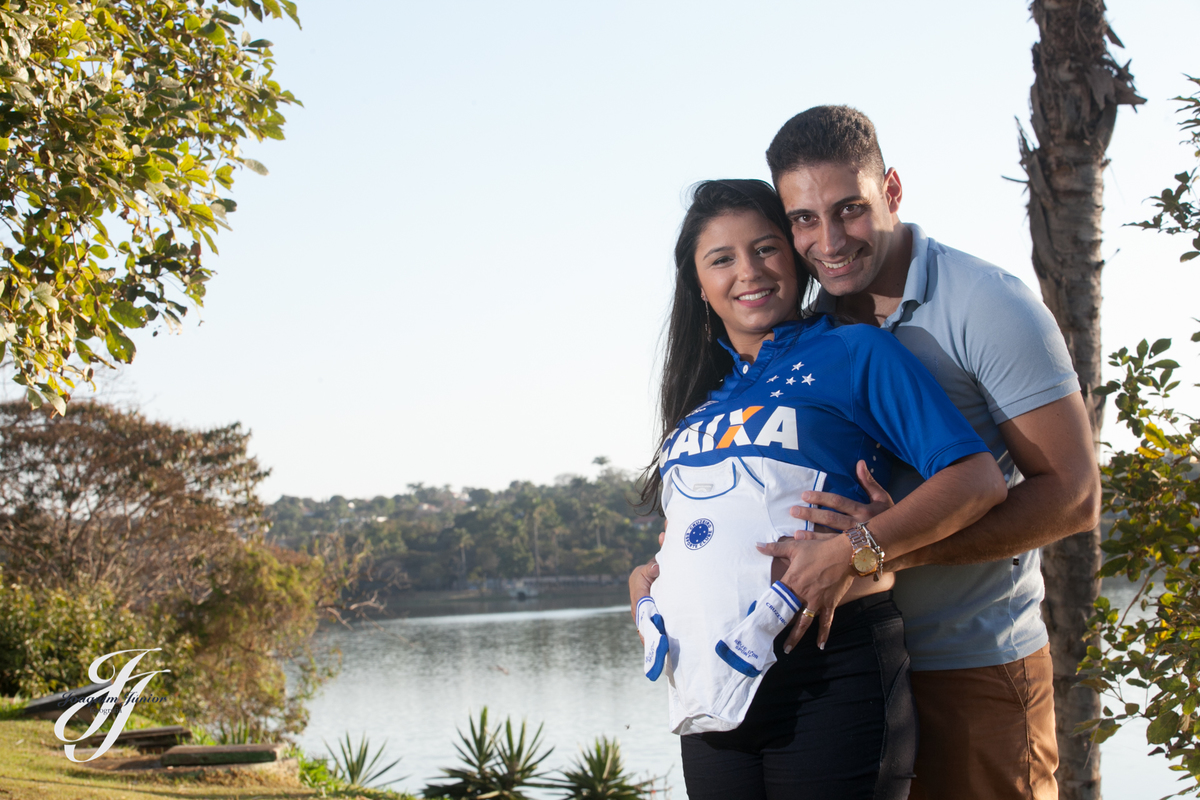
x=1076, y=91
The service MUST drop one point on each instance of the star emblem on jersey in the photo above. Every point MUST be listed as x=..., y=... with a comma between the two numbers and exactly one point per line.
x=772, y=378
x=808, y=379
x=776, y=394
x=698, y=534
x=790, y=381
x=797, y=365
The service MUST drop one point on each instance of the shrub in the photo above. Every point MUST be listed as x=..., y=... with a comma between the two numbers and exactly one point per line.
x=48, y=639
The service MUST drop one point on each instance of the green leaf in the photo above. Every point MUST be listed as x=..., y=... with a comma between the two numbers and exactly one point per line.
x=1162, y=728
x=34, y=397
x=1105, y=730
x=214, y=33
x=125, y=313
x=119, y=345
x=255, y=166
x=150, y=173
x=290, y=8
x=224, y=176
x=56, y=400
x=44, y=294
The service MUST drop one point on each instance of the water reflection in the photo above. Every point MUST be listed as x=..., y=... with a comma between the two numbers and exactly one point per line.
x=414, y=681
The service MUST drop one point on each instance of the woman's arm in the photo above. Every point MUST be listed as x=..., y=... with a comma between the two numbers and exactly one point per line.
x=820, y=573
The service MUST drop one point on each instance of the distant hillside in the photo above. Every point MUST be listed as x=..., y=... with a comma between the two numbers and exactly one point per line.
x=434, y=538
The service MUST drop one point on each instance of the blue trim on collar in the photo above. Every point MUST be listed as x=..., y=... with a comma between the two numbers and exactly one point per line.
x=785, y=333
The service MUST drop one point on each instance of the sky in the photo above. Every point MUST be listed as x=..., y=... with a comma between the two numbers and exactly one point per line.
x=459, y=267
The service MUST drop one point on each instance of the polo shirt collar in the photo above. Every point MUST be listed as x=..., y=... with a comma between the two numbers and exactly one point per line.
x=916, y=284
x=784, y=332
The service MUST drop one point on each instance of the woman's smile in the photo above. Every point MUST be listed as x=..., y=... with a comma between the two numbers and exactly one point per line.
x=754, y=299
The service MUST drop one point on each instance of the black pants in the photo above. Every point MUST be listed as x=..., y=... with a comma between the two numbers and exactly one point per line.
x=832, y=724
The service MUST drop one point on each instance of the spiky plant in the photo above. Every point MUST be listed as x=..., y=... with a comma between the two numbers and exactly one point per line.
x=599, y=774
x=494, y=767
x=355, y=766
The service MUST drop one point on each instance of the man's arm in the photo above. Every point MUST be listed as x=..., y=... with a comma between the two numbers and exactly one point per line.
x=819, y=570
x=1052, y=446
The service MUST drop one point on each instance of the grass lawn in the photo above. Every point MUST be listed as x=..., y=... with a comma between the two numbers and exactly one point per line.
x=34, y=767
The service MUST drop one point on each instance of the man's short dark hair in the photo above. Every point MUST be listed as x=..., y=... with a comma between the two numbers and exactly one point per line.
x=826, y=135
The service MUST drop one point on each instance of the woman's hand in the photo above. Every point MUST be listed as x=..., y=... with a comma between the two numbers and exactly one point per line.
x=839, y=513
x=819, y=574
x=640, y=580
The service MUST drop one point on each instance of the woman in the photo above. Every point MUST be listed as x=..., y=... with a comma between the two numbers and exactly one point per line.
x=760, y=403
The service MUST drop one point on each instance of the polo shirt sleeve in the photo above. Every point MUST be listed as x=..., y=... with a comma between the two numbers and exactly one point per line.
x=900, y=405
x=1013, y=348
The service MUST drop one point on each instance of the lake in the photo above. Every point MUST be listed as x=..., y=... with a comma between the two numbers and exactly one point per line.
x=413, y=681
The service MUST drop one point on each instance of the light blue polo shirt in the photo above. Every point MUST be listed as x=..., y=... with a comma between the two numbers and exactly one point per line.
x=997, y=352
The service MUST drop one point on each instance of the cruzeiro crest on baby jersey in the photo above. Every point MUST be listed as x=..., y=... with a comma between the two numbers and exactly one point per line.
x=698, y=534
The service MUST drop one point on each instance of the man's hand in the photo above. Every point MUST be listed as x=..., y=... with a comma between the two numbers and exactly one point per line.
x=819, y=575
x=841, y=513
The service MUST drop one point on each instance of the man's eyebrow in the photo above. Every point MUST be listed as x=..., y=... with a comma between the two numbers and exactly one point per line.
x=845, y=201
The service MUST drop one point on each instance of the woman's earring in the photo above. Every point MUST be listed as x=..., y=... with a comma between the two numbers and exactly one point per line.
x=707, y=322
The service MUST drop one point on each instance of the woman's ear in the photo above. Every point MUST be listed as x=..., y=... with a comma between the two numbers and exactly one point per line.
x=702, y=297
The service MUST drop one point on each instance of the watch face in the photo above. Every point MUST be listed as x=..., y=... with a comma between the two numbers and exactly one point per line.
x=865, y=561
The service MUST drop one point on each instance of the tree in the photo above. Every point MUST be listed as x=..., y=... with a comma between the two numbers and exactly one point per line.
x=1154, y=494
x=1077, y=89
x=120, y=126
x=117, y=531
x=107, y=496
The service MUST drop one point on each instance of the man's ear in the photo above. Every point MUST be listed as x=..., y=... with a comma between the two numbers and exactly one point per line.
x=893, y=192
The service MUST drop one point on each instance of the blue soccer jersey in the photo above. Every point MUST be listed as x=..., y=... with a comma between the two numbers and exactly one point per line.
x=823, y=396
x=818, y=398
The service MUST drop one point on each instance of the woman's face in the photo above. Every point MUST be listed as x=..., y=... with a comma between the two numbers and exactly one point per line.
x=748, y=276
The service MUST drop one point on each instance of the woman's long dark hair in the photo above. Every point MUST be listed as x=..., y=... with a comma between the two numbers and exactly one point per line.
x=694, y=364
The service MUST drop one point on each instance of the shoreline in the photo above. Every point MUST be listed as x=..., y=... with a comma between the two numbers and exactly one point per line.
x=438, y=603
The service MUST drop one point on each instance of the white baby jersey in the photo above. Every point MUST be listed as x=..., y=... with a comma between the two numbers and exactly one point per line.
x=710, y=572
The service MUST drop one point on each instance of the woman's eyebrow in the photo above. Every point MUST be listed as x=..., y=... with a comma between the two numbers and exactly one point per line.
x=718, y=249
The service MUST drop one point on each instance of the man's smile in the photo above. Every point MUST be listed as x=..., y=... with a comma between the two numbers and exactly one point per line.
x=837, y=267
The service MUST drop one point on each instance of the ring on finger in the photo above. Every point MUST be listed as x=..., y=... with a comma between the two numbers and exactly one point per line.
x=808, y=613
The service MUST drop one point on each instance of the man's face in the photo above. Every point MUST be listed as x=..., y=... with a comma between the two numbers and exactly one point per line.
x=844, y=225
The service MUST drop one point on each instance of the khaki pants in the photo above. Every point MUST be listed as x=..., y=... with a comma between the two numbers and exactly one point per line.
x=987, y=733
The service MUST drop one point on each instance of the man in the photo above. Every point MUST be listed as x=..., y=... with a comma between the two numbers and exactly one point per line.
x=982, y=677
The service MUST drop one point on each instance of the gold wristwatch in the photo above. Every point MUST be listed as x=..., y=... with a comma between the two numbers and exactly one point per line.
x=867, y=557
